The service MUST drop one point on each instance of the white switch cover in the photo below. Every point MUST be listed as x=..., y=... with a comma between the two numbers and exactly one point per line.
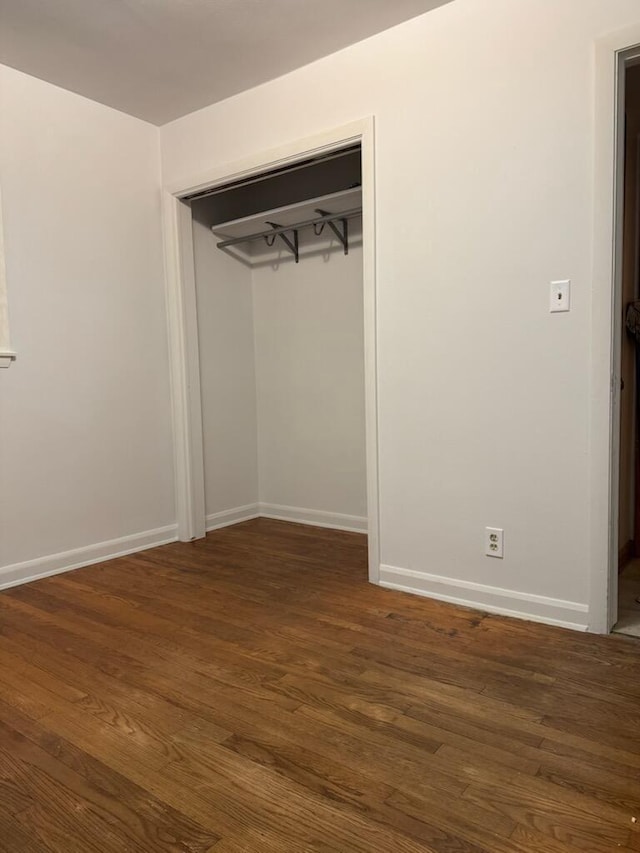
x=560, y=296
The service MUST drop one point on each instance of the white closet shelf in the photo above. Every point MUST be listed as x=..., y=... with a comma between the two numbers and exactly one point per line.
x=6, y=357
x=332, y=210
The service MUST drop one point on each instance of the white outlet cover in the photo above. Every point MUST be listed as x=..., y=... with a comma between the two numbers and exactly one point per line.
x=560, y=296
x=494, y=542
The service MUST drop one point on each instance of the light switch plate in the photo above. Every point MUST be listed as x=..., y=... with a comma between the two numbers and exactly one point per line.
x=560, y=296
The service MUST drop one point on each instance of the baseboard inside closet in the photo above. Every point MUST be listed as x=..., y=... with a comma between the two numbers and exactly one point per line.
x=296, y=515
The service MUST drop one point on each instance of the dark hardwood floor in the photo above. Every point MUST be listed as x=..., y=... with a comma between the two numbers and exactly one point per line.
x=252, y=692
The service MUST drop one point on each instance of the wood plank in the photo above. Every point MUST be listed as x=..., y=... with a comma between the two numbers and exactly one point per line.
x=252, y=692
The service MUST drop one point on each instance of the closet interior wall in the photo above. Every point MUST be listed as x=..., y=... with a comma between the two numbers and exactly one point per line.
x=227, y=377
x=282, y=364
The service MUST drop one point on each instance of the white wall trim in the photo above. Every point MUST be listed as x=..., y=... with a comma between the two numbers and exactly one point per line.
x=182, y=319
x=232, y=516
x=605, y=331
x=7, y=355
x=506, y=602
x=184, y=368
x=272, y=159
x=295, y=514
x=66, y=561
x=55, y=564
x=317, y=518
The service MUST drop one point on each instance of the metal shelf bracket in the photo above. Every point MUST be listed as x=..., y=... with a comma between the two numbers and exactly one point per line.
x=292, y=245
x=342, y=235
x=341, y=231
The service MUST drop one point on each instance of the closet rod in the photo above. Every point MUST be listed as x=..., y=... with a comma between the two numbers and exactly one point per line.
x=271, y=232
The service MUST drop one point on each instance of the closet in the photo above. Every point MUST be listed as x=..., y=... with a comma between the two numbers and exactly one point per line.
x=278, y=269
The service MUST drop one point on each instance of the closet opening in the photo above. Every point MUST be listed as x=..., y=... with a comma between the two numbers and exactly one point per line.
x=274, y=269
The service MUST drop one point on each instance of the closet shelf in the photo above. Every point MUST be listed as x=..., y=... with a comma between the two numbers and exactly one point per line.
x=281, y=231
x=284, y=224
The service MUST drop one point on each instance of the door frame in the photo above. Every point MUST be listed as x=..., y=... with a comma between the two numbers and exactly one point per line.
x=612, y=55
x=182, y=325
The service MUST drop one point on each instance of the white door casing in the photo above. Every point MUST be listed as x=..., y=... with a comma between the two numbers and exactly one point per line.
x=182, y=319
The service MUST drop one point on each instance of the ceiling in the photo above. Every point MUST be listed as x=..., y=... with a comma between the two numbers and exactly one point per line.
x=161, y=59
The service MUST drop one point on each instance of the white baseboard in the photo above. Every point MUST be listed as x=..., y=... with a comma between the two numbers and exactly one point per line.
x=506, y=602
x=232, y=516
x=55, y=564
x=317, y=518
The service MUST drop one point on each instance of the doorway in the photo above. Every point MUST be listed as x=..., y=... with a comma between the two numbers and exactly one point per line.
x=182, y=305
x=628, y=354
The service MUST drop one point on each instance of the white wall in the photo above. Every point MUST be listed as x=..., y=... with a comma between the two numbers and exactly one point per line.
x=484, y=147
x=227, y=376
x=85, y=434
x=310, y=381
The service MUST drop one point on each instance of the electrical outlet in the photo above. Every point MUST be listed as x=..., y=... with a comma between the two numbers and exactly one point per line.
x=494, y=542
x=560, y=297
